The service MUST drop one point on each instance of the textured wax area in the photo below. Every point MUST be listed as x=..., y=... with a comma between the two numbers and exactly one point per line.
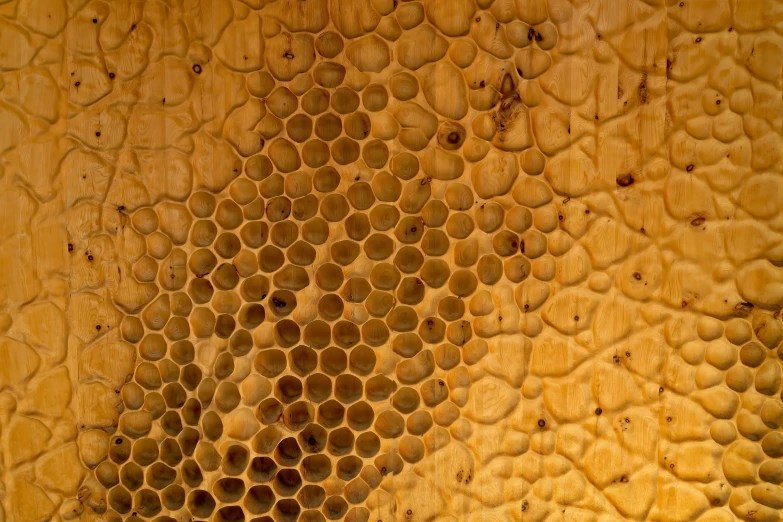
x=385, y=260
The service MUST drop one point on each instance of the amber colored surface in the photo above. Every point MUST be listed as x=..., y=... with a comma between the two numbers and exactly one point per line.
x=386, y=260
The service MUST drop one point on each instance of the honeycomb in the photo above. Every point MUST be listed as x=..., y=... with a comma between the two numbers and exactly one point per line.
x=391, y=260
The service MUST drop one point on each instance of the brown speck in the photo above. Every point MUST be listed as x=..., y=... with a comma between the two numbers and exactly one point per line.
x=453, y=137
x=660, y=390
x=576, y=318
x=98, y=327
x=598, y=411
x=482, y=84
x=627, y=420
x=118, y=441
x=196, y=68
x=560, y=217
x=288, y=55
x=698, y=39
x=689, y=168
x=111, y=75
x=89, y=258
x=668, y=419
x=637, y=276
x=531, y=33
x=98, y=134
x=409, y=512
x=587, y=211
x=541, y=423
x=698, y=221
x=625, y=180
x=95, y=20
x=70, y=247
x=441, y=383
x=77, y=84
x=627, y=354
x=717, y=102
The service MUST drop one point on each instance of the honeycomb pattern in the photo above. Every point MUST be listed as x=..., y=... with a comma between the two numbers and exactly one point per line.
x=393, y=260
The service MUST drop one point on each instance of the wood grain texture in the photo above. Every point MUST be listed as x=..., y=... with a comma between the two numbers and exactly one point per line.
x=385, y=260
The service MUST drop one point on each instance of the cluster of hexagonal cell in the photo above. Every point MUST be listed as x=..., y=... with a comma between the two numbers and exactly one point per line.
x=335, y=264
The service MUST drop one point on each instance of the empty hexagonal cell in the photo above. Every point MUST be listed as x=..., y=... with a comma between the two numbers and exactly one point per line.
x=286, y=510
x=145, y=451
x=287, y=482
x=333, y=361
x=311, y=496
x=191, y=473
x=334, y=508
x=212, y=425
x=228, y=489
x=170, y=452
x=341, y=441
x=187, y=440
x=360, y=416
x=347, y=388
x=357, y=225
x=345, y=252
x=131, y=476
x=296, y=416
x=235, y=460
x=229, y=514
x=120, y=500
x=288, y=389
x=261, y=469
x=201, y=503
x=282, y=302
x=160, y=475
x=259, y=499
x=331, y=414
x=173, y=497
x=119, y=449
x=362, y=360
x=287, y=333
x=312, y=438
x=269, y=411
x=270, y=363
x=330, y=307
